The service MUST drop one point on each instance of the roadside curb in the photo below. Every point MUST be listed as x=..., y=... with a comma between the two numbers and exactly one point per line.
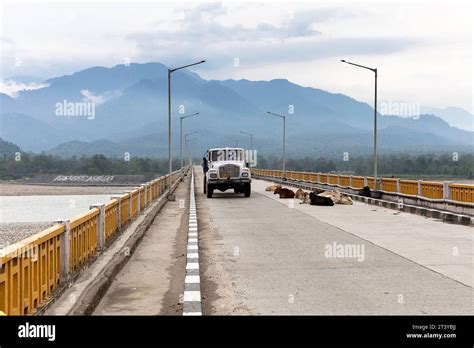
x=192, y=282
x=445, y=216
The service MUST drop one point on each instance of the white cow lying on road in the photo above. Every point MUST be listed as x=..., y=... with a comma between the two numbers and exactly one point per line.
x=337, y=197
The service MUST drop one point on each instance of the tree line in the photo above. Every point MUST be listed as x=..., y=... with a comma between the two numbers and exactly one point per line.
x=460, y=165
x=27, y=165
x=400, y=165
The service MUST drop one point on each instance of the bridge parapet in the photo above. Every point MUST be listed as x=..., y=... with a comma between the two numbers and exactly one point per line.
x=430, y=190
x=32, y=270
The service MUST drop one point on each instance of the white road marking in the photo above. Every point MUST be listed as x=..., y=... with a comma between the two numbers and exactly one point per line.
x=192, y=265
x=191, y=280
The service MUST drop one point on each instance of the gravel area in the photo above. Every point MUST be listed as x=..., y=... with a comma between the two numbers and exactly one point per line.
x=42, y=190
x=12, y=232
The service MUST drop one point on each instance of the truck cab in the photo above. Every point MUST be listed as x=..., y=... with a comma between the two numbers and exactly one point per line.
x=227, y=170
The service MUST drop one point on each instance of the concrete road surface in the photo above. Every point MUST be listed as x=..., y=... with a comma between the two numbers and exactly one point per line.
x=261, y=255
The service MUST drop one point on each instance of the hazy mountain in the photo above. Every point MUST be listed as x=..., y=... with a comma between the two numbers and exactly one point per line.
x=6, y=102
x=29, y=133
x=8, y=148
x=84, y=148
x=130, y=115
x=456, y=117
x=311, y=106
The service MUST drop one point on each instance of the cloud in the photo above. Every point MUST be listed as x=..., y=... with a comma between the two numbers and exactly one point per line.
x=100, y=98
x=201, y=33
x=298, y=41
x=11, y=87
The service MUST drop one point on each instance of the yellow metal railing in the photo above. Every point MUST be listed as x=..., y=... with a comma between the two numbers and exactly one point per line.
x=358, y=182
x=345, y=180
x=433, y=190
x=462, y=192
x=427, y=189
x=134, y=203
x=111, y=211
x=124, y=209
x=142, y=197
x=31, y=269
x=332, y=179
x=370, y=182
x=409, y=187
x=389, y=184
x=83, y=240
x=149, y=194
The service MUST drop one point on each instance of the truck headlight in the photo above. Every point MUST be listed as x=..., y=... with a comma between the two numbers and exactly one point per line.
x=245, y=175
x=213, y=175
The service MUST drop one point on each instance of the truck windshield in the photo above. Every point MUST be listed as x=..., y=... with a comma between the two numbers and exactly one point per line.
x=227, y=155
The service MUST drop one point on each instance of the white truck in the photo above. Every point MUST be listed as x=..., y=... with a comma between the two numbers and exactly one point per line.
x=227, y=170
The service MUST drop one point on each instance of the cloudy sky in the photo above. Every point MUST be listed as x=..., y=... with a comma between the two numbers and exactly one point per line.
x=423, y=50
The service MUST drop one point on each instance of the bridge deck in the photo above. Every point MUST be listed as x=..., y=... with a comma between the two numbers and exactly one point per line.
x=443, y=247
x=262, y=257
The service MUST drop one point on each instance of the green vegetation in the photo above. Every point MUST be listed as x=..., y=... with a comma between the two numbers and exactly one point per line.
x=398, y=165
x=29, y=165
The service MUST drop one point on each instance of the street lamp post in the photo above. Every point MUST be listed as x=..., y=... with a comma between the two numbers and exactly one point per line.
x=374, y=70
x=181, y=134
x=187, y=135
x=186, y=140
x=251, y=139
x=170, y=166
x=188, y=150
x=284, y=139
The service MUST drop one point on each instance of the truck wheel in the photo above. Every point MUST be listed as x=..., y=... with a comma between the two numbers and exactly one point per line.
x=247, y=190
x=205, y=185
x=210, y=191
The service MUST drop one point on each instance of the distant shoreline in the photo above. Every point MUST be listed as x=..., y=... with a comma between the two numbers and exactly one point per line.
x=22, y=189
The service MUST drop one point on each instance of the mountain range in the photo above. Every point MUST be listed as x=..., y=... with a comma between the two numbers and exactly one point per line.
x=130, y=115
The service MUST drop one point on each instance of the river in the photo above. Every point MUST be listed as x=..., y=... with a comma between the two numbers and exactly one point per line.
x=46, y=208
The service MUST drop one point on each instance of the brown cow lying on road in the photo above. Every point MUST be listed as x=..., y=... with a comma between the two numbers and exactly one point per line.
x=284, y=192
x=272, y=187
x=300, y=194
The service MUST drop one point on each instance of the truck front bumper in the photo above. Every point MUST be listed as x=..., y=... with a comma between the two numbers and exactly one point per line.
x=229, y=181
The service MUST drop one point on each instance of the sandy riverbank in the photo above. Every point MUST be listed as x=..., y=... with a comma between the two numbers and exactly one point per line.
x=11, y=189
